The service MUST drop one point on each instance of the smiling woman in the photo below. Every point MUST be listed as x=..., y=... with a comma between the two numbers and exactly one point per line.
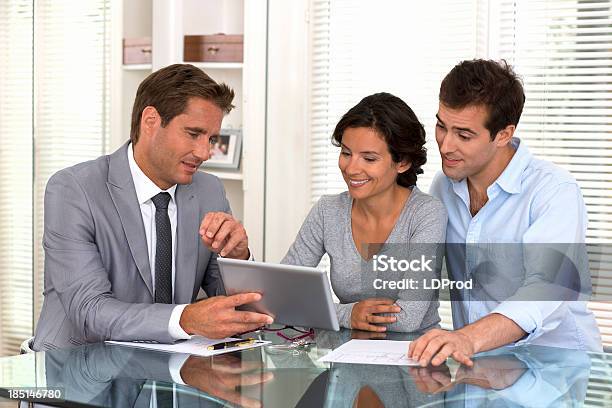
x=382, y=151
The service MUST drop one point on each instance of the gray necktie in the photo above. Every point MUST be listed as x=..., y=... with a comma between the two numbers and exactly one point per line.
x=163, y=250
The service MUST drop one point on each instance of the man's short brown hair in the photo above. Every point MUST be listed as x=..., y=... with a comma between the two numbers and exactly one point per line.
x=485, y=83
x=169, y=90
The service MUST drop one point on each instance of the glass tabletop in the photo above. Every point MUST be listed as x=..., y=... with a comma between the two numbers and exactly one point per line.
x=287, y=374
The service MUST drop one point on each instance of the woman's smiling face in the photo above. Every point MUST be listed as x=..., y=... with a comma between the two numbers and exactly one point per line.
x=366, y=164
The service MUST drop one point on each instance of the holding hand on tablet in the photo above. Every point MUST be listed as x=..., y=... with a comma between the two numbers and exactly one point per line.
x=225, y=235
x=365, y=314
x=217, y=317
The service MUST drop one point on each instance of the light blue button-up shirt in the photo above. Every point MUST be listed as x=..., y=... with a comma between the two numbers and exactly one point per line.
x=532, y=202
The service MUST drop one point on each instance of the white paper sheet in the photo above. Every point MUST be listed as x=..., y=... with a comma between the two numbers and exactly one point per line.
x=197, y=345
x=381, y=352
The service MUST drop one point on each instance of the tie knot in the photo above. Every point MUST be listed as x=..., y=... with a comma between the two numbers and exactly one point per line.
x=161, y=201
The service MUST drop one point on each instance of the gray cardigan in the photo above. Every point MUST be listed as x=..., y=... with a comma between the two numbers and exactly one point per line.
x=419, y=230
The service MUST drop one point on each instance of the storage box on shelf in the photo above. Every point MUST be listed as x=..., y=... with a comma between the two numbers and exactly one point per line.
x=213, y=48
x=137, y=51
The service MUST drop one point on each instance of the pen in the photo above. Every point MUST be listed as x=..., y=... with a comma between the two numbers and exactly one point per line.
x=233, y=343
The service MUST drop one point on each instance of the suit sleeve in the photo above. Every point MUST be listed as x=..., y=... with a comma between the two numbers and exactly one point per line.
x=74, y=269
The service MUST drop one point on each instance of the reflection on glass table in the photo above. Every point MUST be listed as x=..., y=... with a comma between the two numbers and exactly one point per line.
x=288, y=374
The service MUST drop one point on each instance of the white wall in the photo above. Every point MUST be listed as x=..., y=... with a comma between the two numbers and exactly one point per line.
x=254, y=125
x=287, y=186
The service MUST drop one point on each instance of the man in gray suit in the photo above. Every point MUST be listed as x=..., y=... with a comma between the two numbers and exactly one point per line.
x=124, y=254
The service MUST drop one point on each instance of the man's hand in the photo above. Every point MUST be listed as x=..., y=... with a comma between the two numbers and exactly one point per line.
x=494, y=372
x=217, y=317
x=364, y=315
x=225, y=377
x=431, y=380
x=437, y=345
x=490, y=332
x=225, y=235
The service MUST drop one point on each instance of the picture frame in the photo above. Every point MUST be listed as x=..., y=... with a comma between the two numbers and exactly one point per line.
x=226, y=151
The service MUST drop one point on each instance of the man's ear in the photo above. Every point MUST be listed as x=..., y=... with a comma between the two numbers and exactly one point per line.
x=504, y=136
x=149, y=120
x=404, y=166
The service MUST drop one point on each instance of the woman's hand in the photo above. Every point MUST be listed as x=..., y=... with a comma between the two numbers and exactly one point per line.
x=365, y=314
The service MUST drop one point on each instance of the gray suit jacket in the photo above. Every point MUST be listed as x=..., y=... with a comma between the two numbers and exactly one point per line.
x=97, y=274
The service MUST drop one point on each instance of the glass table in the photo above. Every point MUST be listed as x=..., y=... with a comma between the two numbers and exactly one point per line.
x=287, y=374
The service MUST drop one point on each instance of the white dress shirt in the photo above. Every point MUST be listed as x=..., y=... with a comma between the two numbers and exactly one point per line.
x=145, y=190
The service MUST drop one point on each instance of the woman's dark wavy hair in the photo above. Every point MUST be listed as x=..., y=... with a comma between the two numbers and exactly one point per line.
x=397, y=124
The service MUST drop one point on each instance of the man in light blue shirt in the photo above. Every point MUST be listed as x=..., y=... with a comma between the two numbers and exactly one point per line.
x=497, y=193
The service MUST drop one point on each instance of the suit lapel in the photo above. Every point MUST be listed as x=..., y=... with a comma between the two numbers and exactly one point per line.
x=187, y=244
x=123, y=193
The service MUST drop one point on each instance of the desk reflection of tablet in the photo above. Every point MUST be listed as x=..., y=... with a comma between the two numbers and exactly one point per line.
x=292, y=295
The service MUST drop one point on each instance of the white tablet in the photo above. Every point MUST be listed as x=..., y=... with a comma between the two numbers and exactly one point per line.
x=292, y=295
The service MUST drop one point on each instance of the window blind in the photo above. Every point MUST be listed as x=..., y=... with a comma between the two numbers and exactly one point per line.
x=54, y=101
x=562, y=50
x=16, y=19
x=71, y=104
x=363, y=47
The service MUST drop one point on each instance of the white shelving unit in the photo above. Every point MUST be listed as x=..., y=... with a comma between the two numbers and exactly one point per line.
x=201, y=65
x=137, y=67
x=225, y=175
x=217, y=65
x=167, y=22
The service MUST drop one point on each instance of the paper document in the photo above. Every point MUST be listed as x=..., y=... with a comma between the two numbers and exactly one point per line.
x=197, y=345
x=382, y=352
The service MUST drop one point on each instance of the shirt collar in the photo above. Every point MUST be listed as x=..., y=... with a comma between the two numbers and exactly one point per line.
x=145, y=188
x=511, y=178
